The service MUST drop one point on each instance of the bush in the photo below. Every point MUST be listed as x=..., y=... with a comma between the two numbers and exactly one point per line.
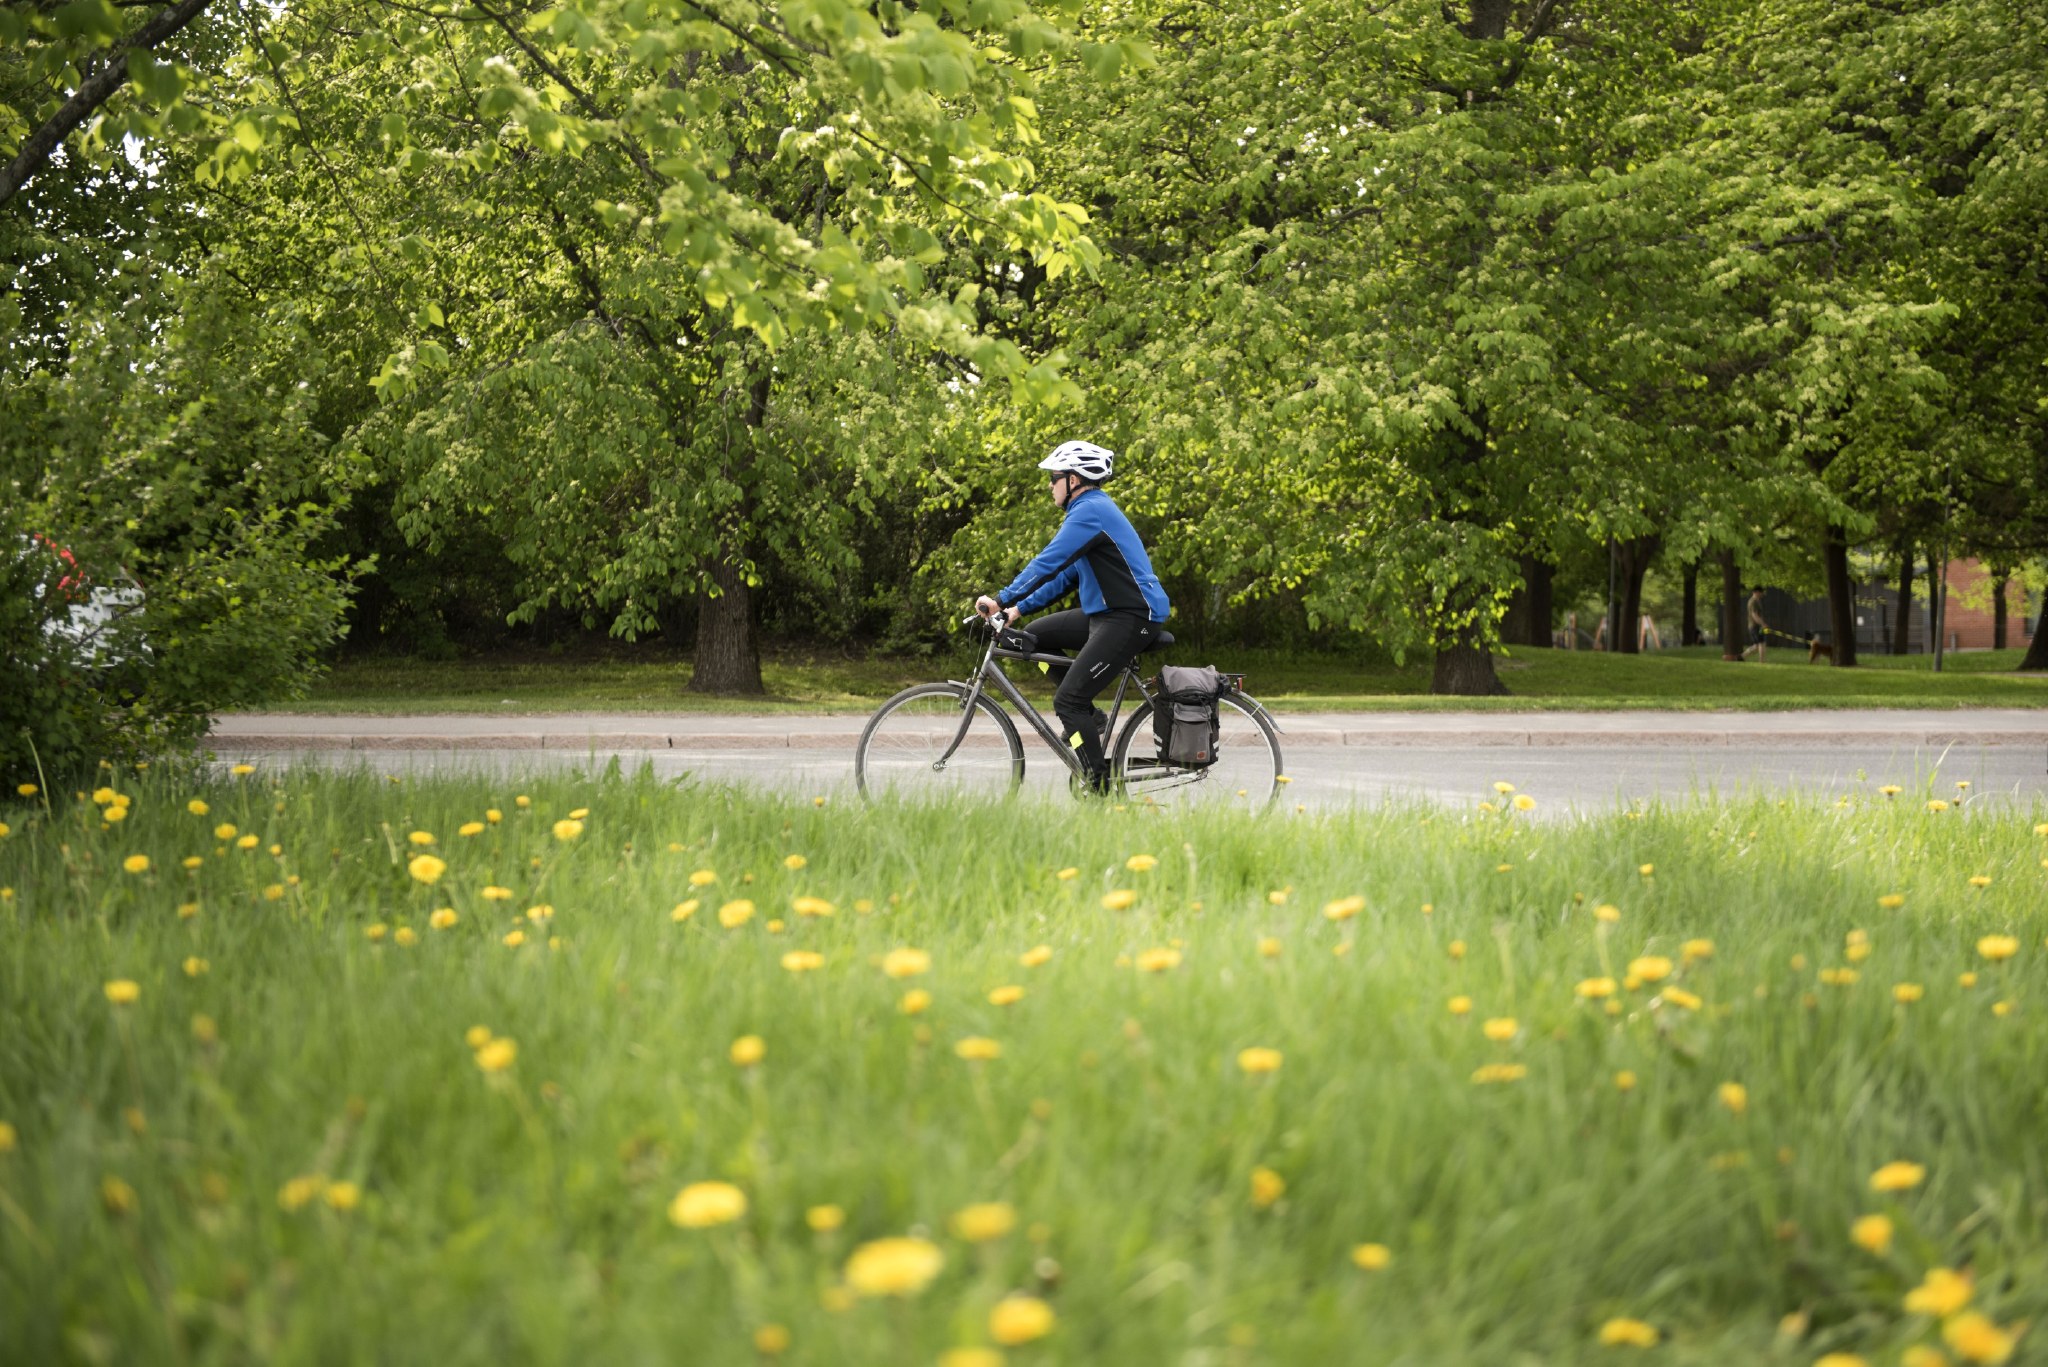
x=177, y=457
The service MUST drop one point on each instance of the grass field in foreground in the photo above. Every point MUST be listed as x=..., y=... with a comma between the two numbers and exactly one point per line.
x=278, y=1106
x=1541, y=680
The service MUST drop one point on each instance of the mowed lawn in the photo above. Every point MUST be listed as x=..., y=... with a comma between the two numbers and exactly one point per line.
x=653, y=680
x=335, y=1068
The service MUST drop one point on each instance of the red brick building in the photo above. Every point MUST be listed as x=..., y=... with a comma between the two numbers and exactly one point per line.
x=1969, y=627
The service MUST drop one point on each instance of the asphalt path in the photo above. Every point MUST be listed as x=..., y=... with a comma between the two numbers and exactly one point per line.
x=1567, y=761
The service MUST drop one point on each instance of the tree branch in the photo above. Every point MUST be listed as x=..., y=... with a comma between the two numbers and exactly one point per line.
x=92, y=92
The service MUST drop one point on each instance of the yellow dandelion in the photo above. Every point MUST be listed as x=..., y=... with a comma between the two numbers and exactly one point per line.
x=803, y=961
x=736, y=913
x=1141, y=863
x=1344, y=908
x=427, y=868
x=1067, y=875
x=568, y=828
x=1020, y=1319
x=1500, y=1072
x=1035, y=956
x=470, y=828
x=522, y=802
x=1892, y=901
x=893, y=1267
x=1456, y=949
x=824, y=1219
x=1650, y=968
x=1258, y=1060
x=906, y=963
x=496, y=894
x=300, y=1192
x=342, y=1196
x=477, y=1036
x=123, y=992
x=978, y=1224
x=136, y=863
x=1908, y=993
x=1268, y=1186
x=811, y=906
x=1941, y=1293
x=493, y=815
x=420, y=838
x=978, y=1049
x=793, y=862
x=1158, y=960
x=747, y=1051
x=1646, y=870
x=1997, y=947
x=513, y=939
x=242, y=770
x=1278, y=897
x=1872, y=1233
x=1006, y=996
x=1269, y=947
x=1966, y=979
x=1977, y=1339
x=771, y=1339
x=195, y=966
x=915, y=1002
x=1607, y=912
x=1624, y=1081
x=1591, y=988
x=1898, y=1175
x=198, y=807
x=1371, y=1257
x=1459, y=1006
x=1500, y=1028
x=703, y=878
x=1628, y=1333
x=683, y=911
x=1119, y=900
x=1693, y=951
x=497, y=1054
x=1734, y=1096
x=1679, y=997
x=701, y=1205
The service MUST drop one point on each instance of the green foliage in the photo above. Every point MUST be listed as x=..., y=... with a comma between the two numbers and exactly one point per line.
x=177, y=459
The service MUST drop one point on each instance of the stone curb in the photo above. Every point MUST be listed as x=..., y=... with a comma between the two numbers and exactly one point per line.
x=1290, y=736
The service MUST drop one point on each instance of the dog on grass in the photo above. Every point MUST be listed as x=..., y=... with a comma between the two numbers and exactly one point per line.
x=1817, y=650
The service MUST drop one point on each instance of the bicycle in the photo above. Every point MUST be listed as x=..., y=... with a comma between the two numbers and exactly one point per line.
x=926, y=740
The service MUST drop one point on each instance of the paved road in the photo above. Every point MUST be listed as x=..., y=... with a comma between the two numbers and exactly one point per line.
x=1568, y=760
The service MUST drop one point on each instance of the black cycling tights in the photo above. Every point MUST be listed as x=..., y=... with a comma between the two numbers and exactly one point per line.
x=1107, y=642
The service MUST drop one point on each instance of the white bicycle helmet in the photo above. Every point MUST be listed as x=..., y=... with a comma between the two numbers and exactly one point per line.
x=1084, y=458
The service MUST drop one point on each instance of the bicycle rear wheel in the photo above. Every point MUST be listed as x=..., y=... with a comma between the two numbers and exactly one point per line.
x=902, y=753
x=1246, y=772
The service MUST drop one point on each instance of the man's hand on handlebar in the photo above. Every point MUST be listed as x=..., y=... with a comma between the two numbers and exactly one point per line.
x=988, y=607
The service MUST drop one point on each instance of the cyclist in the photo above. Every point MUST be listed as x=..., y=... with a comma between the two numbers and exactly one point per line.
x=1123, y=608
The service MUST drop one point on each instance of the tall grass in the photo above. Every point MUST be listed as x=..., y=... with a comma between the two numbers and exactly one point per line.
x=521, y=1215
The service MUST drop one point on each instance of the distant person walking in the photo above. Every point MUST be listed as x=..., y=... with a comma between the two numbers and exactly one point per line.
x=1757, y=626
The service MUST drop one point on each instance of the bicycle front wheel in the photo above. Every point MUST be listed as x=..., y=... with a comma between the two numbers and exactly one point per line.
x=902, y=752
x=1246, y=772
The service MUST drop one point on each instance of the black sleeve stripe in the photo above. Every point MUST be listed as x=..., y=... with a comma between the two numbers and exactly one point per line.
x=1056, y=571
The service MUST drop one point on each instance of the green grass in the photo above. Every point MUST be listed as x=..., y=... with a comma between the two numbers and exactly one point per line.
x=1541, y=680
x=521, y=1215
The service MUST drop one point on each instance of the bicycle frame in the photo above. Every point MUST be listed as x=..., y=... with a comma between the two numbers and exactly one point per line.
x=1022, y=704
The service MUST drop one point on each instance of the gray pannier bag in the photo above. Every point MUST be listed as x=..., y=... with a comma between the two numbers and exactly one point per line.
x=1186, y=721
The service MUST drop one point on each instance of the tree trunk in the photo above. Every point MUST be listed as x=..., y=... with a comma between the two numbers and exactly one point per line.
x=1532, y=607
x=1634, y=556
x=1464, y=668
x=1999, y=575
x=1902, y=634
x=1841, y=597
x=727, y=661
x=2037, y=651
x=1689, y=618
x=1731, y=607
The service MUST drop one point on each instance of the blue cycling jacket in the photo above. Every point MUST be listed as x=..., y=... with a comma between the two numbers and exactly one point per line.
x=1097, y=548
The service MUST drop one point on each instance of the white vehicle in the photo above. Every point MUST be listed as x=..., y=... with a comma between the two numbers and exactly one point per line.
x=87, y=614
